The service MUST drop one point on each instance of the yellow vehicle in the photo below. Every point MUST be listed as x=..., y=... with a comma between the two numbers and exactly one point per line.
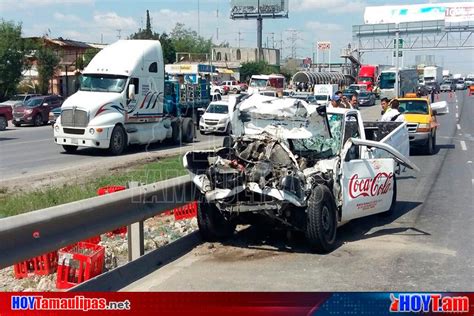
x=420, y=116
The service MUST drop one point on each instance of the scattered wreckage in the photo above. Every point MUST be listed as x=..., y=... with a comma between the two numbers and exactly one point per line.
x=308, y=168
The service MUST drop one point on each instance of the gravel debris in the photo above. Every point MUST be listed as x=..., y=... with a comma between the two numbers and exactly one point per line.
x=158, y=232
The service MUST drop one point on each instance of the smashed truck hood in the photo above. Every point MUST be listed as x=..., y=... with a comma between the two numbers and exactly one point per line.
x=280, y=118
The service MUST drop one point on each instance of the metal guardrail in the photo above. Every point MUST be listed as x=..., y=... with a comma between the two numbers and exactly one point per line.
x=31, y=234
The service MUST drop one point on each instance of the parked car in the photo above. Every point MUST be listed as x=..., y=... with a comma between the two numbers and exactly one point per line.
x=5, y=116
x=308, y=97
x=18, y=99
x=216, y=119
x=233, y=85
x=460, y=85
x=36, y=110
x=366, y=98
x=358, y=87
x=243, y=86
x=448, y=85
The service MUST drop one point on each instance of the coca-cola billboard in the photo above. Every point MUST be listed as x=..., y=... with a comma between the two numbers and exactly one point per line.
x=363, y=187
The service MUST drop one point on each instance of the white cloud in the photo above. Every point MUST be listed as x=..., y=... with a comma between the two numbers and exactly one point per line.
x=70, y=18
x=332, y=6
x=112, y=20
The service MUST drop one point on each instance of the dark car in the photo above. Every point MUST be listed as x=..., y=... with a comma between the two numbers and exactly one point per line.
x=366, y=98
x=36, y=110
x=5, y=116
x=430, y=86
x=422, y=90
x=348, y=93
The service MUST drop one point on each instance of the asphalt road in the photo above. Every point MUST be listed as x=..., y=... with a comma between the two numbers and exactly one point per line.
x=30, y=150
x=426, y=245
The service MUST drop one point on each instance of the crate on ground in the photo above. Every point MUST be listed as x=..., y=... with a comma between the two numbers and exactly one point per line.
x=111, y=189
x=79, y=263
x=186, y=211
x=41, y=265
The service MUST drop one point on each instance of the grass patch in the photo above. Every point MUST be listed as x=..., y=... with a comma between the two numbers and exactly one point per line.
x=22, y=202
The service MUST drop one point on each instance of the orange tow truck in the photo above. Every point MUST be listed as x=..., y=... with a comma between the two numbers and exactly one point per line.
x=420, y=116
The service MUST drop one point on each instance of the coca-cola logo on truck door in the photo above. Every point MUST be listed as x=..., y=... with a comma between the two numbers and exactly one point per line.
x=378, y=185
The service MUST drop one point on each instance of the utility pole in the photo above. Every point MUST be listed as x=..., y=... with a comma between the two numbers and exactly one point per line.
x=239, y=38
x=217, y=28
x=199, y=21
x=397, y=39
x=119, y=36
x=259, y=31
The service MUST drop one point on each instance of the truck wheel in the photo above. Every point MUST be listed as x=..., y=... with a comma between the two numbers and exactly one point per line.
x=391, y=210
x=188, y=130
x=70, y=149
x=321, y=220
x=212, y=224
x=228, y=130
x=3, y=123
x=430, y=145
x=38, y=121
x=175, y=132
x=118, y=141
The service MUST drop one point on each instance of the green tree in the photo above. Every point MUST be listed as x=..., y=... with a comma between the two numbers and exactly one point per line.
x=12, y=57
x=169, y=52
x=85, y=59
x=247, y=70
x=48, y=61
x=186, y=40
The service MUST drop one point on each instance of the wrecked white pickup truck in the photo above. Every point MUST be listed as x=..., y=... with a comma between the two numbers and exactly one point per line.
x=300, y=166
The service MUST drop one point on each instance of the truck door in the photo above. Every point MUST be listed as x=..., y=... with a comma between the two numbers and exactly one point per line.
x=367, y=184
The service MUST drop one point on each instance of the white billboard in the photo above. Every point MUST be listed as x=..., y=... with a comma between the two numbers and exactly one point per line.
x=250, y=8
x=450, y=12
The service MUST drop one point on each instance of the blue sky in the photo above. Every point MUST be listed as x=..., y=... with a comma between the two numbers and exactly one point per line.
x=94, y=20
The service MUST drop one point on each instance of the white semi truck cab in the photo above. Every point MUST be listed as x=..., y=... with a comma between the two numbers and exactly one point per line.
x=120, y=102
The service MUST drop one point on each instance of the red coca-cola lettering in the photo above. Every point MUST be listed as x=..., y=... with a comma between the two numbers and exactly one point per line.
x=378, y=185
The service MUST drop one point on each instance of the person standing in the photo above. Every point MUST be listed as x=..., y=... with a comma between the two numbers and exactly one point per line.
x=354, y=103
x=393, y=114
x=384, y=104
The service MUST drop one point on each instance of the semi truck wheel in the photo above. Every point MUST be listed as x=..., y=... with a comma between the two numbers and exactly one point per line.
x=321, y=220
x=69, y=148
x=188, y=130
x=3, y=123
x=118, y=141
x=175, y=132
x=212, y=224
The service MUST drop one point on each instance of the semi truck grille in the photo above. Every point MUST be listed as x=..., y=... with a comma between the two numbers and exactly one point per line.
x=74, y=118
x=412, y=127
x=74, y=131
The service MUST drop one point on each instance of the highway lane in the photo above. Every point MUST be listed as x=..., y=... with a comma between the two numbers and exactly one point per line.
x=29, y=150
x=426, y=245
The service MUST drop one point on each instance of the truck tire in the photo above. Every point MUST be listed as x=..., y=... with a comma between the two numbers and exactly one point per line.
x=38, y=120
x=70, y=149
x=118, y=141
x=188, y=130
x=3, y=123
x=175, y=132
x=430, y=145
x=17, y=124
x=321, y=220
x=213, y=226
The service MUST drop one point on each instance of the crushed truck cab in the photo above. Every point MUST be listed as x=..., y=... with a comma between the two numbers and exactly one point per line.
x=421, y=120
x=304, y=167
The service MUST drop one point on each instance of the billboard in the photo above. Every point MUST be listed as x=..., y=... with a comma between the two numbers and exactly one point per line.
x=324, y=45
x=248, y=9
x=449, y=12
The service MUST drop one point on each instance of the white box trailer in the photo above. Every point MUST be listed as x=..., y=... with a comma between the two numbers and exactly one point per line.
x=324, y=92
